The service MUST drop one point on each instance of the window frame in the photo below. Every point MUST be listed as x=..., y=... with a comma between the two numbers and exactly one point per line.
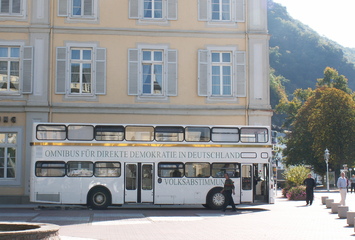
x=169, y=69
x=19, y=161
x=14, y=16
x=81, y=62
x=63, y=71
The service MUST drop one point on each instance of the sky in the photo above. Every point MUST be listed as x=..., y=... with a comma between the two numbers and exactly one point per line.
x=334, y=19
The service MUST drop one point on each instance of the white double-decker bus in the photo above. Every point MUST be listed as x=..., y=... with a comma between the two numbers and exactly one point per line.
x=109, y=164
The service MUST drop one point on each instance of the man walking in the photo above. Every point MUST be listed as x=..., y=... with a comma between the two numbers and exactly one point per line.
x=310, y=185
x=342, y=185
x=228, y=189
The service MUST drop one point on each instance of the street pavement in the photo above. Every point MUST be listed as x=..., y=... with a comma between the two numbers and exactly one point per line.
x=286, y=220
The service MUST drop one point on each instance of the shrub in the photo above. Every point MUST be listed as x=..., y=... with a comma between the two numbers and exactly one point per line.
x=296, y=193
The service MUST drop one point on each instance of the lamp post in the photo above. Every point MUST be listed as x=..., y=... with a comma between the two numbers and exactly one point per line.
x=326, y=158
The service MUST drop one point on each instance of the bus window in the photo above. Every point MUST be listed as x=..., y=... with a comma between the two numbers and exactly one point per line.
x=219, y=169
x=169, y=134
x=107, y=169
x=254, y=135
x=80, y=132
x=51, y=132
x=109, y=133
x=139, y=133
x=170, y=170
x=147, y=177
x=225, y=134
x=200, y=170
x=131, y=176
x=80, y=169
x=50, y=169
x=197, y=134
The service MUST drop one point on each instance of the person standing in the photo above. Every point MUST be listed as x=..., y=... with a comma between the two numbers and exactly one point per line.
x=228, y=189
x=342, y=185
x=352, y=183
x=310, y=185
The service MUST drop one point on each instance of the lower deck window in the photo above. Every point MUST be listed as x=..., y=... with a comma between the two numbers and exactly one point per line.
x=107, y=169
x=80, y=169
x=171, y=170
x=199, y=170
x=219, y=169
x=50, y=169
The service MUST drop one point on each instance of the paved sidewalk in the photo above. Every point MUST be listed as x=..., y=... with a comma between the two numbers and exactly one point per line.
x=290, y=220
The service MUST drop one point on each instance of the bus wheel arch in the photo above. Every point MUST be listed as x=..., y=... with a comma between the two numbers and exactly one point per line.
x=99, y=197
x=215, y=199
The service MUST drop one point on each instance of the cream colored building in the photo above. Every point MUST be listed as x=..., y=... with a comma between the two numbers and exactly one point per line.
x=126, y=61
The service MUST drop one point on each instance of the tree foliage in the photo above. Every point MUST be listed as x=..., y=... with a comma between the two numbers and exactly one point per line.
x=295, y=175
x=326, y=120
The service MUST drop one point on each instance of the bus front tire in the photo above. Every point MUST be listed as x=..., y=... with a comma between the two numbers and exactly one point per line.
x=99, y=198
x=216, y=199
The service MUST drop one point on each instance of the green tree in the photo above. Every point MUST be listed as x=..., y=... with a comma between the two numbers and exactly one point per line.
x=326, y=120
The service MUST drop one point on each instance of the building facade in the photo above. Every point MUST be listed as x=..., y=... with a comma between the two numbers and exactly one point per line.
x=132, y=61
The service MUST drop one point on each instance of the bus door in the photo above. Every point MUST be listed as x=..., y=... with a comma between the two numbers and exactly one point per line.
x=139, y=182
x=247, y=183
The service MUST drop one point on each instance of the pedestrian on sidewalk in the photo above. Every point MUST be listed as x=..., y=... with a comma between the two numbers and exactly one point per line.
x=352, y=183
x=228, y=189
x=342, y=185
x=310, y=186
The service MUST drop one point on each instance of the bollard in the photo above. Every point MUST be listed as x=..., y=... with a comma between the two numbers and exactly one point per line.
x=350, y=218
x=328, y=203
x=323, y=199
x=334, y=207
x=342, y=211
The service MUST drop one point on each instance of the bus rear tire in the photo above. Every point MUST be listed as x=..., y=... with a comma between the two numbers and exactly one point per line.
x=216, y=199
x=99, y=198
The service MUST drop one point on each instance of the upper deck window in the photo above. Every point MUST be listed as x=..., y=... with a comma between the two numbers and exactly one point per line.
x=169, y=134
x=139, y=133
x=109, y=133
x=220, y=134
x=254, y=135
x=80, y=132
x=197, y=134
x=51, y=132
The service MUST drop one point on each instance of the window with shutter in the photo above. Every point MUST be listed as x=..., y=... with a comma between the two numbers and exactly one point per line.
x=221, y=11
x=152, y=73
x=81, y=71
x=153, y=11
x=77, y=10
x=221, y=74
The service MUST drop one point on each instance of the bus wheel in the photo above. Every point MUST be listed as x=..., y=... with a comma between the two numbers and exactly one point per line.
x=216, y=199
x=99, y=198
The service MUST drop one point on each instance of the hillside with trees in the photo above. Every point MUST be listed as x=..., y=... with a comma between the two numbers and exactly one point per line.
x=299, y=56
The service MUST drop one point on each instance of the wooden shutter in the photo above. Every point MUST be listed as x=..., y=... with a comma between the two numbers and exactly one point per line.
x=100, y=68
x=203, y=10
x=172, y=6
x=133, y=71
x=203, y=72
x=172, y=73
x=61, y=71
x=27, y=70
x=240, y=10
x=134, y=9
x=88, y=8
x=241, y=74
x=63, y=8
